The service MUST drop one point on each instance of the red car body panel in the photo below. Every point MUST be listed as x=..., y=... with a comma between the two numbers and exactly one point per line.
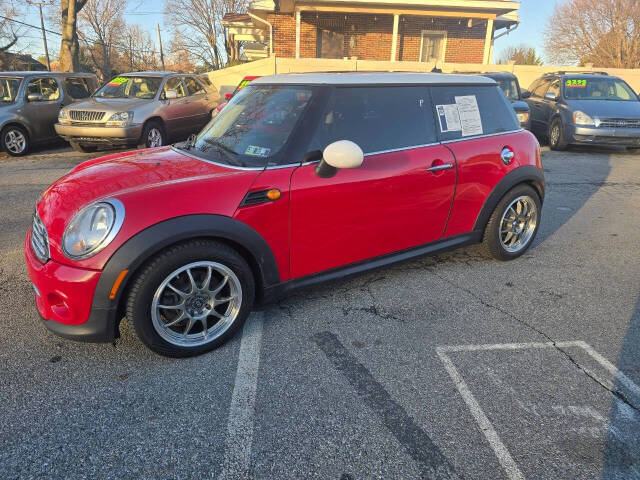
x=381, y=203
x=154, y=186
x=480, y=168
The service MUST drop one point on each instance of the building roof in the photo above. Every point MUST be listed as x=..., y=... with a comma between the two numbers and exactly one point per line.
x=364, y=78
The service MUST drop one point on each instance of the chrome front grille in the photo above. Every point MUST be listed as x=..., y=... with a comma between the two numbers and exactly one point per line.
x=39, y=239
x=85, y=116
x=620, y=122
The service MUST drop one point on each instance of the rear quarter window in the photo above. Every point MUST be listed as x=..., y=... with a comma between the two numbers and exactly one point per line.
x=377, y=118
x=470, y=111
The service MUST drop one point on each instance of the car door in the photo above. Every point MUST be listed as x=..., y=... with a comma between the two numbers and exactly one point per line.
x=392, y=201
x=199, y=103
x=43, y=113
x=548, y=107
x=176, y=111
x=536, y=102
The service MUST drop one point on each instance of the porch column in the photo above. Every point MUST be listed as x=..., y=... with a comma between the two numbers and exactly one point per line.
x=297, y=33
x=394, y=38
x=487, y=43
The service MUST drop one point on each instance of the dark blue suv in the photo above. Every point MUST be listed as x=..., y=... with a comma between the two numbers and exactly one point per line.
x=585, y=108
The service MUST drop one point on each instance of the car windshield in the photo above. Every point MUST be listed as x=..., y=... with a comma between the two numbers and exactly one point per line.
x=509, y=87
x=586, y=88
x=243, y=83
x=9, y=89
x=130, y=87
x=254, y=127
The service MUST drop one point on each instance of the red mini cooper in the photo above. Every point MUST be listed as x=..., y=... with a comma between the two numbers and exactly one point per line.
x=300, y=178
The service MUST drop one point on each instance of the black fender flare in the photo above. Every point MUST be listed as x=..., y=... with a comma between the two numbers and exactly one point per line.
x=142, y=246
x=527, y=174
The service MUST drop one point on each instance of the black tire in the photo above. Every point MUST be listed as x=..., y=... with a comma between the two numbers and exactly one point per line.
x=149, y=128
x=15, y=141
x=493, y=241
x=150, y=280
x=82, y=148
x=557, y=140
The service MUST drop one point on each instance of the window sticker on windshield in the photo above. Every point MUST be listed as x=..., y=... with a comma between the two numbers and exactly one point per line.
x=116, y=82
x=469, y=115
x=576, y=83
x=449, y=118
x=257, y=151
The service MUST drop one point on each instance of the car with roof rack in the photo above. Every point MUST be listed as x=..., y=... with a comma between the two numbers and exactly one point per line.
x=30, y=102
x=585, y=108
x=302, y=178
x=149, y=109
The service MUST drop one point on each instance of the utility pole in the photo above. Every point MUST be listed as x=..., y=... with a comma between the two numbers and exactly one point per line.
x=44, y=36
x=160, y=42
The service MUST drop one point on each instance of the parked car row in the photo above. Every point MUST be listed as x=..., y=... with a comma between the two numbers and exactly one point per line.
x=140, y=108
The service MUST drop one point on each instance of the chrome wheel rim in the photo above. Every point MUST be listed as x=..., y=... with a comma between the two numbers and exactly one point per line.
x=196, y=304
x=154, y=139
x=15, y=141
x=518, y=224
x=555, y=134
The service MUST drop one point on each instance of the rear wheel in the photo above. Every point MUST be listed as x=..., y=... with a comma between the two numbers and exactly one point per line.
x=556, y=135
x=15, y=140
x=513, y=224
x=82, y=148
x=191, y=298
x=152, y=135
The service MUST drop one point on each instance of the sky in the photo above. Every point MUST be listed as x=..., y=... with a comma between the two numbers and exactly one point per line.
x=534, y=15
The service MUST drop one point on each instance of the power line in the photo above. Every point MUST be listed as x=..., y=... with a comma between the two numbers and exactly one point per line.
x=29, y=25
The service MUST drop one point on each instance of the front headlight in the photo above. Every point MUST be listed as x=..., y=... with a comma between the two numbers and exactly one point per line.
x=581, y=118
x=119, y=119
x=92, y=229
x=63, y=117
x=523, y=117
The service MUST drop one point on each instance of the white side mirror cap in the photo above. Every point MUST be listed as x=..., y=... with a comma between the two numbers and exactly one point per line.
x=343, y=154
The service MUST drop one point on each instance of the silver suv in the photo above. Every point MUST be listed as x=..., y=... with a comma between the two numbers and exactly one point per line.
x=30, y=102
x=141, y=108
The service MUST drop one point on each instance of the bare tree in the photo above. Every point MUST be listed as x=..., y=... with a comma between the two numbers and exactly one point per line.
x=138, y=50
x=8, y=29
x=101, y=30
x=520, y=55
x=604, y=32
x=199, y=23
x=70, y=47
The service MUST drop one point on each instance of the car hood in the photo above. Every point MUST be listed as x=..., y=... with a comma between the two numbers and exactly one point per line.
x=109, y=104
x=153, y=185
x=520, y=106
x=606, y=108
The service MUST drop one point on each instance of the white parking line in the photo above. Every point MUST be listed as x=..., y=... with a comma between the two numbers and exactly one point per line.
x=240, y=424
x=504, y=457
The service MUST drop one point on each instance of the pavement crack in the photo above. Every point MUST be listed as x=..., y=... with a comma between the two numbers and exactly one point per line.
x=616, y=393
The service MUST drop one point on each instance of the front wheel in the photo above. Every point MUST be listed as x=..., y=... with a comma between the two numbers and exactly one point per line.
x=556, y=135
x=191, y=298
x=152, y=135
x=15, y=141
x=513, y=224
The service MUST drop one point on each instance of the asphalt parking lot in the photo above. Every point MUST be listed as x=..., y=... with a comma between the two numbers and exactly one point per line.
x=455, y=366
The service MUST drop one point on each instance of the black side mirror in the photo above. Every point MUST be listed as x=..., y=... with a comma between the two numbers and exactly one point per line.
x=526, y=94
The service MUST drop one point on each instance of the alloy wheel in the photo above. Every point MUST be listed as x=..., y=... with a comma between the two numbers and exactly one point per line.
x=154, y=138
x=196, y=304
x=555, y=134
x=15, y=141
x=518, y=224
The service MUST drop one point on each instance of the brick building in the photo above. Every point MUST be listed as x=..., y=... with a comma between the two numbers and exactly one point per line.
x=451, y=31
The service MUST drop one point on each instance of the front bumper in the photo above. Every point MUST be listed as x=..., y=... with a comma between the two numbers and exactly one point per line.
x=605, y=136
x=99, y=135
x=64, y=297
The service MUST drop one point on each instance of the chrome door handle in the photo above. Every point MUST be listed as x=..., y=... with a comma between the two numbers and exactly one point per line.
x=437, y=168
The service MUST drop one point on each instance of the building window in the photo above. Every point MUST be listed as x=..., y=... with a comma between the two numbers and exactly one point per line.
x=330, y=44
x=432, y=46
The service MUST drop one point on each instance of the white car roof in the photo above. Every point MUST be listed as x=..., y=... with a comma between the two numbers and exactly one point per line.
x=362, y=78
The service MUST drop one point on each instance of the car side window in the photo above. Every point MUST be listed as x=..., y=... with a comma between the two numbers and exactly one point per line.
x=540, y=89
x=468, y=111
x=175, y=84
x=554, y=88
x=377, y=118
x=77, y=87
x=193, y=87
x=47, y=87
